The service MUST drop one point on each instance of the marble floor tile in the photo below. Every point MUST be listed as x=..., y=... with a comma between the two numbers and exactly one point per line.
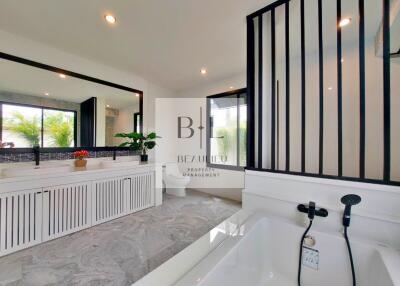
x=121, y=251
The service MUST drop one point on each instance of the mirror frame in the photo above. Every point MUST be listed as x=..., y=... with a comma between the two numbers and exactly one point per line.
x=54, y=69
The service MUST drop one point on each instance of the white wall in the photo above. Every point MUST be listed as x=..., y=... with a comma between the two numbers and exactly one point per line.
x=375, y=218
x=124, y=122
x=26, y=48
x=101, y=122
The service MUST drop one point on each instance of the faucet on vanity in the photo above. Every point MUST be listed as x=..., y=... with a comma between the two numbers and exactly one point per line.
x=36, y=152
x=114, y=153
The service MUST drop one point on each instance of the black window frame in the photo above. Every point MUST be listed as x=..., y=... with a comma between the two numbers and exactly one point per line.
x=42, y=108
x=239, y=93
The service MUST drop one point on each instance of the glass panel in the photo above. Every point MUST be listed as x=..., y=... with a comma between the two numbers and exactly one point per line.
x=21, y=126
x=242, y=130
x=224, y=130
x=58, y=128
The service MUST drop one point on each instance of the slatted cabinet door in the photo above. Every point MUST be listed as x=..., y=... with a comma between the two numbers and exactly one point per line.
x=20, y=220
x=108, y=199
x=140, y=194
x=66, y=209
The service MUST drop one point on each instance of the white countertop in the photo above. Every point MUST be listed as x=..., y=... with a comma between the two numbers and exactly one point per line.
x=91, y=170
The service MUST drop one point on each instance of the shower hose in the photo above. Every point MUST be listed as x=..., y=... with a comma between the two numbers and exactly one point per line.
x=350, y=256
x=301, y=252
x=348, y=248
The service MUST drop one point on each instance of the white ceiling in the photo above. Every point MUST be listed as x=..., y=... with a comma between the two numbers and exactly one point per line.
x=166, y=41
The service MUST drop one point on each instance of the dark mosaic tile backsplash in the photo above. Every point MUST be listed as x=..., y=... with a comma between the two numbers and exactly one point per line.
x=28, y=157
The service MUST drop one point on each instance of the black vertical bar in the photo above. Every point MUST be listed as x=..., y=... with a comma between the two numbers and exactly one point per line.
x=75, y=129
x=260, y=92
x=141, y=112
x=321, y=89
x=287, y=56
x=273, y=89
x=386, y=90
x=339, y=83
x=303, y=90
x=250, y=93
x=238, y=129
x=1, y=122
x=277, y=124
x=209, y=130
x=361, y=53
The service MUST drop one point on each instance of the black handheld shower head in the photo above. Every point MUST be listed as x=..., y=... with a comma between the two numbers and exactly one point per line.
x=349, y=201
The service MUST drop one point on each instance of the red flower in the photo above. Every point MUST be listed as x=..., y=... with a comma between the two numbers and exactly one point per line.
x=81, y=154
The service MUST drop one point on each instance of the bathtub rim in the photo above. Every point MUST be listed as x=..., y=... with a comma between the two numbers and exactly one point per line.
x=388, y=255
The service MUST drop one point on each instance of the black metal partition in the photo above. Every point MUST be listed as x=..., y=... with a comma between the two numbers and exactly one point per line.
x=277, y=57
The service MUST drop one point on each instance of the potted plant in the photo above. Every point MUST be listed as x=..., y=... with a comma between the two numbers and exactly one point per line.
x=80, y=156
x=139, y=142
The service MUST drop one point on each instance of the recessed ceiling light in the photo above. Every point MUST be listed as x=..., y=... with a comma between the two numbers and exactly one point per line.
x=62, y=75
x=231, y=87
x=110, y=19
x=46, y=94
x=108, y=105
x=330, y=88
x=203, y=71
x=344, y=22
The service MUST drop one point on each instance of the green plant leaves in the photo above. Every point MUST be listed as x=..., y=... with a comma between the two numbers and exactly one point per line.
x=60, y=129
x=138, y=141
x=29, y=129
x=150, y=144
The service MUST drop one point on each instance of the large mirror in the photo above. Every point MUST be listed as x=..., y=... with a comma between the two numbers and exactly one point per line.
x=51, y=108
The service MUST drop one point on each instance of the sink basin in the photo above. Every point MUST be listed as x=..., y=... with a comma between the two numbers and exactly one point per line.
x=36, y=170
x=119, y=162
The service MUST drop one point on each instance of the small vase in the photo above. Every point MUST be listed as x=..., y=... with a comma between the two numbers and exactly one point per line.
x=144, y=158
x=80, y=163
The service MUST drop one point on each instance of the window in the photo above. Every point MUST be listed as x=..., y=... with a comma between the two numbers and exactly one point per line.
x=137, y=122
x=25, y=126
x=227, y=122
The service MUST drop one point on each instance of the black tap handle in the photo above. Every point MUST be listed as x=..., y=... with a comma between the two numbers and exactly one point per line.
x=311, y=210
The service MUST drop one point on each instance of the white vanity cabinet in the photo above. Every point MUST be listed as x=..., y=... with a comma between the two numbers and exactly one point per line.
x=79, y=201
x=66, y=209
x=108, y=198
x=137, y=196
x=20, y=220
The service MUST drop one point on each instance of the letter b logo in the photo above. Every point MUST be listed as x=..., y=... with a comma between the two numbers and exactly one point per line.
x=189, y=126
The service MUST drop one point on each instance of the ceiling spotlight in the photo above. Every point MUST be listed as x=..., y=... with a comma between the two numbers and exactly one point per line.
x=110, y=19
x=330, y=88
x=61, y=75
x=203, y=71
x=46, y=94
x=231, y=87
x=107, y=105
x=344, y=22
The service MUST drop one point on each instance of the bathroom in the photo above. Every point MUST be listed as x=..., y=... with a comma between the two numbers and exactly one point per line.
x=200, y=143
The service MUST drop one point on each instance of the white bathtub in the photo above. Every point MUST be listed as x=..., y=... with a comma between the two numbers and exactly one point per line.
x=265, y=252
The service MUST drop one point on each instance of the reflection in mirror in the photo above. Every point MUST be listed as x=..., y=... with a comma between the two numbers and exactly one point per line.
x=39, y=107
